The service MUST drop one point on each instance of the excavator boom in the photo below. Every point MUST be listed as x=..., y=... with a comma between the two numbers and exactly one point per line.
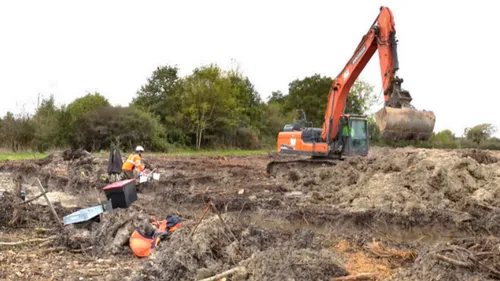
x=398, y=120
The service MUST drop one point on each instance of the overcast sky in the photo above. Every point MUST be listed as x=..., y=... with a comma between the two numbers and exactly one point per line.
x=448, y=53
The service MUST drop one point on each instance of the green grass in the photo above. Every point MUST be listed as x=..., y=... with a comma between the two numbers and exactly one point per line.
x=180, y=152
x=21, y=156
x=29, y=155
x=220, y=152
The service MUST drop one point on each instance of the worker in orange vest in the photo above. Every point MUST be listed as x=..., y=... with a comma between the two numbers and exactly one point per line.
x=133, y=166
x=143, y=241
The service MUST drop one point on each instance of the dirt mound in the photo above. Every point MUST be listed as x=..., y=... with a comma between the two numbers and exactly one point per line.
x=75, y=154
x=462, y=259
x=14, y=213
x=109, y=236
x=214, y=249
x=294, y=264
x=481, y=156
x=69, y=171
x=399, y=182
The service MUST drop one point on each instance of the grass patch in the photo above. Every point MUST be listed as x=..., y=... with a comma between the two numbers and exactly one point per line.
x=21, y=156
x=181, y=152
x=215, y=152
x=29, y=155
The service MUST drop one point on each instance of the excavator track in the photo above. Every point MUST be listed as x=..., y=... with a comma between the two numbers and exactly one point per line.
x=276, y=165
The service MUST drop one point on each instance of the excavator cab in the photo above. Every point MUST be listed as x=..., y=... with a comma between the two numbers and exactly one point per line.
x=353, y=135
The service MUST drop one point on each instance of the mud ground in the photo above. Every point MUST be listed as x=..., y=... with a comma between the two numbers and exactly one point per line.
x=399, y=214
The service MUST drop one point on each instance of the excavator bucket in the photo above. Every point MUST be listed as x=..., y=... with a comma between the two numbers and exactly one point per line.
x=405, y=123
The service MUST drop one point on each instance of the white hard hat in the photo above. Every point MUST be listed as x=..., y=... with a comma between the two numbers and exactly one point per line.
x=139, y=148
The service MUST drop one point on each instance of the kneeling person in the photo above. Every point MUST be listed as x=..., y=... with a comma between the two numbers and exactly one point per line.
x=133, y=166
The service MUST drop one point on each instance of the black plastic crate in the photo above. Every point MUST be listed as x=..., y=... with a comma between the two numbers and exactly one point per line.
x=122, y=193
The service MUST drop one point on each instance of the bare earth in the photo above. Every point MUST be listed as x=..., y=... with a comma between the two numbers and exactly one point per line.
x=401, y=214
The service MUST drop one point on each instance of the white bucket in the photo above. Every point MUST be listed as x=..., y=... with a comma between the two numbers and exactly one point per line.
x=156, y=176
x=143, y=179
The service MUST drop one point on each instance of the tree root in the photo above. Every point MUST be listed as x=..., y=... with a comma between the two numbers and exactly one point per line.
x=239, y=269
x=18, y=243
x=356, y=277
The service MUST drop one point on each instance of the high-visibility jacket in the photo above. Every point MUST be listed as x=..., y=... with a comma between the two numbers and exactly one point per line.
x=142, y=246
x=346, y=131
x=133, y=162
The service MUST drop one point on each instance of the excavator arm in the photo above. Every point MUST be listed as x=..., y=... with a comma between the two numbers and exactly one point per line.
x=398, y=119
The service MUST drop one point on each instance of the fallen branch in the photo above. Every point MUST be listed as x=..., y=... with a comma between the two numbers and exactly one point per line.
x=32, y=199
x=379, y=250
x=56, y=217
x=240, y=269
x=59, y=249
x=28, y=241
x=356, y=277
x=452, y=261
x=201, y=218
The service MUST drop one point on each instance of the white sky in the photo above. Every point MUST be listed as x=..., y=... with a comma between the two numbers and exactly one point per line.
x=448, y=52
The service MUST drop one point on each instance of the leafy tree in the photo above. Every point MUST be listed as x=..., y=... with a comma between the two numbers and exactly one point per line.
x=46, y=124
x=123, y=126
x=310, y=94
x=162, y=96
x=83, y=105
x=207, y=99
x=445, y=136
x=360, y=97
x=246, y=122
x=374, y=132
x=480, y=133
x=276, y=97
x=17, y=131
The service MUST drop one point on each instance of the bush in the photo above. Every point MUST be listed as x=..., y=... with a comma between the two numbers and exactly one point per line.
x=247, y=139
x=123, y=126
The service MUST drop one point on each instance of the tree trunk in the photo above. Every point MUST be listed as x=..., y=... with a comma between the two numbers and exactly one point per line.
x=199, y=135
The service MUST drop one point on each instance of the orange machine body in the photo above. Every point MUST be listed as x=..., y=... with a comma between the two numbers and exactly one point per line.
x=293, y=141
x=326, y=141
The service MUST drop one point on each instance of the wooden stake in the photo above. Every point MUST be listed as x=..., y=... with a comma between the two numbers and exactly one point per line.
x=223, y=222
x=201, y=218
x=241, y=269
x=56, y=217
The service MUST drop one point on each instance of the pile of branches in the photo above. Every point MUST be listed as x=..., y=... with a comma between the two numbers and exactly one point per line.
x=481, y=257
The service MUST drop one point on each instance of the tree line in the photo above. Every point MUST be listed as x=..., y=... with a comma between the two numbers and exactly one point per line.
x=209, y=108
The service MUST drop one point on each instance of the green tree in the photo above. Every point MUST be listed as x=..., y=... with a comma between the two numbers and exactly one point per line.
x=125, y=126
x=207, y=100
x=83, y=105
x=46, y=124
x=161, y=95
x=445, y=136
x=480, y=133
x=311, y=93
x=360, y=97
x=17, y=131
x=245, y=125
x=276, y=97
x=373, y=130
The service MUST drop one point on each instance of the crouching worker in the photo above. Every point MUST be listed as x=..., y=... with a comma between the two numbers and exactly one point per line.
x=143, y=241
x=133, y=167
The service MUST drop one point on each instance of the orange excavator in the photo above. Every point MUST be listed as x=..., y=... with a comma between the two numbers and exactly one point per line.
x=347, y=134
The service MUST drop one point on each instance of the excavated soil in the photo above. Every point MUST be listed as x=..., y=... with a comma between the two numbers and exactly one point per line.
x=400, y=214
